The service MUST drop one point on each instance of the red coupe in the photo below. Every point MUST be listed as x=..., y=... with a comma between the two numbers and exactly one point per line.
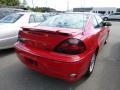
x=64, y=46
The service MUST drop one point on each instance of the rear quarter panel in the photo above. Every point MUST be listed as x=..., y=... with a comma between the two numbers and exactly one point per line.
x=94, y=38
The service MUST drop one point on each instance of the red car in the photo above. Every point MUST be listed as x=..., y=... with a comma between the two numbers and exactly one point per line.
x=64, y=46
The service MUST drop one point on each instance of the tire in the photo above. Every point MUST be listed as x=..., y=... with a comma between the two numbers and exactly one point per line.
x=105, y=18
x=91, y=65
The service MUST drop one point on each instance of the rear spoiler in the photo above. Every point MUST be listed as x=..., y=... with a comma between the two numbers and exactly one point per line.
x=37, y=31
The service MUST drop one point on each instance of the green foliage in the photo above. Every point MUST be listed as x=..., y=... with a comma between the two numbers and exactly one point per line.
x=42, y=9
x=9, y=2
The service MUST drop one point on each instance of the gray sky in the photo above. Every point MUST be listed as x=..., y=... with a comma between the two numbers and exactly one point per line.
x=62, y=4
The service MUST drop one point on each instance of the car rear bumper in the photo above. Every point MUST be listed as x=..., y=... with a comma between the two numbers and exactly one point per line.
x=67, y=67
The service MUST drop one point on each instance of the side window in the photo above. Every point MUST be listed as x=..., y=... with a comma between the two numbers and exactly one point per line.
x=108, y=12
x=36, y=18
x=117, y=13
x=112, y=14
x=95, y=23
x=99, y=19
x=39, y=18
x=32, y=19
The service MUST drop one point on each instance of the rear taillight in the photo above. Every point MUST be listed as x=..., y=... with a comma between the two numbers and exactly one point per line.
x=71, y=46
x=20, y=39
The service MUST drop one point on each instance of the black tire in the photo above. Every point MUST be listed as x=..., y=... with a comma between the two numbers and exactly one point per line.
x=91, y=65
x=105, y=18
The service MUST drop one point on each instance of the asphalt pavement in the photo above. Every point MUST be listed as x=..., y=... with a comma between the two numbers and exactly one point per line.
x=106, y=76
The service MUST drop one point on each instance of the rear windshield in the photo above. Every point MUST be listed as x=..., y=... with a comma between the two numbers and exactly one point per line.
x=74, y=21
x=12, y=18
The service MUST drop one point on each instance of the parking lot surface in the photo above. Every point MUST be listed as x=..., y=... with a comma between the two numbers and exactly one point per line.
x=106, y=76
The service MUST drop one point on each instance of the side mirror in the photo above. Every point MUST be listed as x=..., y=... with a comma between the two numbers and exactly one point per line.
x=107, y=24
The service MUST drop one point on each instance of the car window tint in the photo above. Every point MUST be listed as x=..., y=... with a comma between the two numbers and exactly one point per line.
x=35, y=18
x=112, y=14
x=3, y=13
x=6, y=11
x=31, y=19
x=39, y=18
x=99, y=19
x=95, y=23
x=46, y=16
x=75, y=21
x=12, y=18
x=117, y=13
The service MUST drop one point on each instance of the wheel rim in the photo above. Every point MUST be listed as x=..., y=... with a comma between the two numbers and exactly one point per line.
x=92, y=63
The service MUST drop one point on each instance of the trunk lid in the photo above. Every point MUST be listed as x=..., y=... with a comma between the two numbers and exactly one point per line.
x=47, y=38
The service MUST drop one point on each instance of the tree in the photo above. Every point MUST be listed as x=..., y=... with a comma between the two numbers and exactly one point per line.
x=9, y=2
x=42, y=9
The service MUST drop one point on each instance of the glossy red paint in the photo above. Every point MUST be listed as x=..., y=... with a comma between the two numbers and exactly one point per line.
x=36, y=49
